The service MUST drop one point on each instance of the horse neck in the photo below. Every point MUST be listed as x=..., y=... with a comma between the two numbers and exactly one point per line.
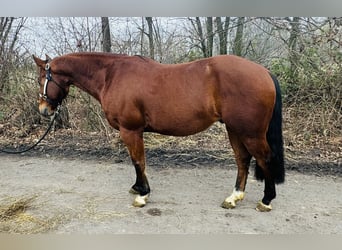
x=89, y=85
x=85, y=75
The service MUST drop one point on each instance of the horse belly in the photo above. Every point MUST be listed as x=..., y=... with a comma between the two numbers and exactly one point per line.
x=180, y=122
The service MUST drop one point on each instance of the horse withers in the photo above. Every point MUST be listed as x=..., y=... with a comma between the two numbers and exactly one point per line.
x=140, y=95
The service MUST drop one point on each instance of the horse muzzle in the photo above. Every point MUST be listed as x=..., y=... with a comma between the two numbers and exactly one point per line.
x=45, y=109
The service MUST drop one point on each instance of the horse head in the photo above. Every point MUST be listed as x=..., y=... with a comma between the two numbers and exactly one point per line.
x=54, y=86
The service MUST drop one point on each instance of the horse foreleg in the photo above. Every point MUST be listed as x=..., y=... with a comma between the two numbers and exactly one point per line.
x=135, y=144
x=242, y=158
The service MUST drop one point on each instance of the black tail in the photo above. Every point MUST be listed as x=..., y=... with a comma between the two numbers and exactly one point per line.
x=275, y=140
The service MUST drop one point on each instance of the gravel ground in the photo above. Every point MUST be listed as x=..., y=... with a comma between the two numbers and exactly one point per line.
x=80, y=195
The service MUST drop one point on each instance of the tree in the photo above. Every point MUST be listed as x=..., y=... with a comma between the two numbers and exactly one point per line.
x=72, y=34
x=210, y=35
x=106, y=43
x=10, y=28
x=238, y=41
x=204, y=37
x=150, y=36
x=293, y=44
x=201, y=36
x=222, y=31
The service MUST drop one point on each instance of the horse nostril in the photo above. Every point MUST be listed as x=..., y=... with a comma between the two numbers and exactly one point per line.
x=44, y=111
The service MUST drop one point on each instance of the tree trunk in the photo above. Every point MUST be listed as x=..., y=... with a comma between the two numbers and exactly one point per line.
x=142, y=29
x=223, y=34
x=201, y=36
x=293, y=53
x=150, y=35
x=238, y=43
x=106, y=45
x=210, y=37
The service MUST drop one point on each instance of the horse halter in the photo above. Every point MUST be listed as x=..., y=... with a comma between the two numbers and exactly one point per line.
x=44, y=96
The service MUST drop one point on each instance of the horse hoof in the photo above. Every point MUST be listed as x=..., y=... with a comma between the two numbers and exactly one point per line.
x=228, y=204
x=261, y=207
x=140, y=201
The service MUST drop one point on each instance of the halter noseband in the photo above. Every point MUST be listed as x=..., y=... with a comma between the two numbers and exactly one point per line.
x=44, y=96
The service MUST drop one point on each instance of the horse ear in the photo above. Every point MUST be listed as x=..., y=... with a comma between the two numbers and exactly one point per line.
x=48, y=59
x=39, y=61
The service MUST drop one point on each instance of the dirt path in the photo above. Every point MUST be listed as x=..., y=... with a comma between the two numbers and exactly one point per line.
x=75, y=196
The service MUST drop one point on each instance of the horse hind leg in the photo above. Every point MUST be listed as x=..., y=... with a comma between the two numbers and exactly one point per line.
x=135, y=144
x=242, y=157
x=261, y=151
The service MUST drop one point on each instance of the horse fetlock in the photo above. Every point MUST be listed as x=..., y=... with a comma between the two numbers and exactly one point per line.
x=261, y=207
x=133, y=191
x=141, y=189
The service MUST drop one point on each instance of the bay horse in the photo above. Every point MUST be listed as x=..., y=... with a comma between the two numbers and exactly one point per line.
x=138, y=95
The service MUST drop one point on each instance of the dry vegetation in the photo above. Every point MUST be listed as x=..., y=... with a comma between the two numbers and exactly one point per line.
x=16, y=218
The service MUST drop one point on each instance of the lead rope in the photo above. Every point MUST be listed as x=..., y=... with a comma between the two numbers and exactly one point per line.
x=31, y=147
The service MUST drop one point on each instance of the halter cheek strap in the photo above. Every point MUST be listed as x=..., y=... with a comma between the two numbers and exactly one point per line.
x=48, y=78
x=45, y=87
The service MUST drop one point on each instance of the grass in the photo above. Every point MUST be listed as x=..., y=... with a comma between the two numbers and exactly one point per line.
x=16, y=217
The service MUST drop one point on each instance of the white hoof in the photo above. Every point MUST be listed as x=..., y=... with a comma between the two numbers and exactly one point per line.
x=230, y=202
x=140, y=201
x=261, y=207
